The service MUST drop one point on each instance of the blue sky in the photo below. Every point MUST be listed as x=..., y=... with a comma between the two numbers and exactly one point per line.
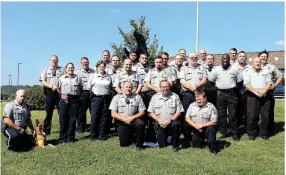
x=32, y=31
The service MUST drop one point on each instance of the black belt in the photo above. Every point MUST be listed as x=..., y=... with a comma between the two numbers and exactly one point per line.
x=228, y=90
x=73, y=97
x=100, y=95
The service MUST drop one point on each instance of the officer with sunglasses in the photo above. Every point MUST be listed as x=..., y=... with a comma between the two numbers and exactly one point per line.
x=128, y=109
x=49, y=78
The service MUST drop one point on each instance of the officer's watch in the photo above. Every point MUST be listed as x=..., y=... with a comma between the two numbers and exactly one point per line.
x=20, y=129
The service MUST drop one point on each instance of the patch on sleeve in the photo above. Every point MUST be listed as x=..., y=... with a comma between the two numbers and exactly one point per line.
x=214, y=110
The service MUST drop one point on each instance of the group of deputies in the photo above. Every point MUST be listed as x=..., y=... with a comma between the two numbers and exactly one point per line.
x=190, y=95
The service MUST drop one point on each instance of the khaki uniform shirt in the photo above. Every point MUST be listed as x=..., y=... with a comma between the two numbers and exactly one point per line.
x=120, y=105
x=19, y=114
x=165, y=107
x=124, y=76
x=112, y=72
x=202, y=114
x=242, y=71
x=193, y=75
x=155, y=76
x=51, y=75
x=170, y=72
x=85, y=77
x=70, y=86
x=274, y=71
x=142, y=72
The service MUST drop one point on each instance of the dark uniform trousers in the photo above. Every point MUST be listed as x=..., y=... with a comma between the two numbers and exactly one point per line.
x=126, y=132
x=100, y=117
x=211, y=93
x=271, y=111
x=187, y=98
x=84, y=104
x=17, y=141
x=68, y=114
x=257, y=106
x=163, y=133
x=146, y=100
x=227, y=99
x=52, y=100
x=208, y=133
x=241, y=109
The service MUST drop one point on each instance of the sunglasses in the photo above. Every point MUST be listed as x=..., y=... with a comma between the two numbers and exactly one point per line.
x=146, y=70
x=127, y=101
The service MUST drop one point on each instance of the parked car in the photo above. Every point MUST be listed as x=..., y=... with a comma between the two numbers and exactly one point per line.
x=4, y=97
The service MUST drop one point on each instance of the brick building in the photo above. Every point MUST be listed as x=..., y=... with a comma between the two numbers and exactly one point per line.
x=275, y=57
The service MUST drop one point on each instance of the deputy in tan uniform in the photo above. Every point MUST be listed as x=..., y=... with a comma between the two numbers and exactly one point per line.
x=202, y=57
x=16, y=118
x=202, y=117
x=183, y=53
x=127, y=75
x=242, y=67
x=168, y=68
x=165, y=108
x=142, y=69
x=193, y=78
x=257, y=82
x=128, y=109
x=210, y=87
x=84, y=73
x=49, y=78
x=133, y=56
x=113, y=70
x=155, y=76
x=176, y=68
x=233, y=55
x=106, y=59
x=70, y=88
x=276, y=77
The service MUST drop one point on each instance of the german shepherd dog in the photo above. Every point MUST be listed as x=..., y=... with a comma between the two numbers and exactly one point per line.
x=40, y=135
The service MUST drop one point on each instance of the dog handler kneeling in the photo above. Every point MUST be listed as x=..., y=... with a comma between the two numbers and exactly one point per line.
x=16, y=118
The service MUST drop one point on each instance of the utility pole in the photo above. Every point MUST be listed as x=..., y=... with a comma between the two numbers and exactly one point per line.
x=18, y=76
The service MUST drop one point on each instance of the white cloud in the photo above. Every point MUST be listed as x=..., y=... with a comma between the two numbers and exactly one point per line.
x=280, y=43
x=114, y=11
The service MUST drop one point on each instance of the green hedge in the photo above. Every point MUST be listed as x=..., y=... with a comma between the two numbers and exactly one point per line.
x=35, y=98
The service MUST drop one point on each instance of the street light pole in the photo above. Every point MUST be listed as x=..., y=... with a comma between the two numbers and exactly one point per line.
x=9, y=79
x=197, y=35
x=18, y=76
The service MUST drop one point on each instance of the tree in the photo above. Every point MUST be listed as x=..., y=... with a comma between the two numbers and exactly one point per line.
x=138, y=38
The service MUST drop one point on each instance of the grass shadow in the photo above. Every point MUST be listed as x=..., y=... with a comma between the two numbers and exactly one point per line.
x=278, y=127
x=53, y=142
x=221, y=145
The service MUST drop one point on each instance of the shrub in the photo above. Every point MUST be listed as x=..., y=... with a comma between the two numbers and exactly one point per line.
x=35, y=98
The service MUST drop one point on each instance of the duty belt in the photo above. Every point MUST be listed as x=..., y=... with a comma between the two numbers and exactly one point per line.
x=232, y=90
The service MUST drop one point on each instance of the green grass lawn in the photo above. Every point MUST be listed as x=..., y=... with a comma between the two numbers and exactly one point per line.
x=106, y=157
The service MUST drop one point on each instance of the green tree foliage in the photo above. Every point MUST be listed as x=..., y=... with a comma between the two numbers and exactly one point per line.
x=11, y=90
x=131, y=42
